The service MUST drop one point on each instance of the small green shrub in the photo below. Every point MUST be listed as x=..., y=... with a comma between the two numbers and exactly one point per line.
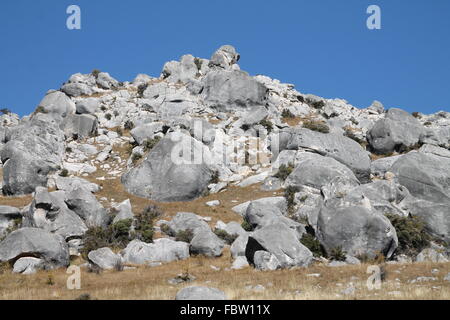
x=103, y=108
x=245, y=127
x=416, y=115
x=108, y=116
x=116, y=113
x=165, y=228
x=4, y=111
x=315, y=104
x=40, y=109
x=225, y=236
x=185, y=235
x=309, y=241
x=337, y=254
x=144, y=223
x=287, y=114
x=318, y=126
x=198, y=62
x=289, y=194
x=141, y=90
x=267, y=124
x=149, y=144
x=129, y=125
x=215, y=177
x=64, y=173
x=411, y=233
x=135, y=157
x=247, y=226
x=95, y=73
x=284, y=171
x=69, y=150
x=405, y=149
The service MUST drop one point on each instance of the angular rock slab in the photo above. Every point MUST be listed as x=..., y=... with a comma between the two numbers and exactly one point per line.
x=341, y=148
x=104, y=258
x=38, y=243
x=280, y=241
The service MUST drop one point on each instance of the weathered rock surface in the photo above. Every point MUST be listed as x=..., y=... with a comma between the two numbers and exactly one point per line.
x=399, y=130
x=104, y=258
x=161, y=250
x=427, y=178
x=343, y=149
x=205, y=242
x=354, y=226
x=86, y=206
x=282, y=243
x=230, y=90
x=165, y=175
x=34, y=150
x=37, y=243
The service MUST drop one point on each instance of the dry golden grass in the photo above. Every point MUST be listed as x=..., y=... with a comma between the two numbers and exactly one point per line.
x=151, y=283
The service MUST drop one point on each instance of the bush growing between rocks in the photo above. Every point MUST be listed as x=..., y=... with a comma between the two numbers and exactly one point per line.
x=416, y=115
x=95, y=73
x=108, y=116
x=225, y=236
x=165, y=228
x=215, y=177
x=114, y=236
x=284, y=171
x=198, y=62
x=267, y=124
x=129, y=125
x=144, y=223
x=311, y=242
x=315, y=104
x=287, y=114
x=337, y=254
x=315, y=125
x=184, y=236
x=247, y=226
x=411, y=233
x=64, y=173
x=40, y=109
x=136, y=157
x=17, y=224
x=141, y=90
x=289, y=194
x=149, y=144
x=5, y=111
x=119, y=234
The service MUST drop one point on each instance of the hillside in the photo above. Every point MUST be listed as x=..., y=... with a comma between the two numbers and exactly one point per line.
x=208, y=169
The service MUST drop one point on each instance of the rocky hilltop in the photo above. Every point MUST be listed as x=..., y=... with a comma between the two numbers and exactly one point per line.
x=355, y=184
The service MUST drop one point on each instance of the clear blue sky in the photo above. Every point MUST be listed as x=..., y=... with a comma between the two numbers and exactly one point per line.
x=321, y=46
